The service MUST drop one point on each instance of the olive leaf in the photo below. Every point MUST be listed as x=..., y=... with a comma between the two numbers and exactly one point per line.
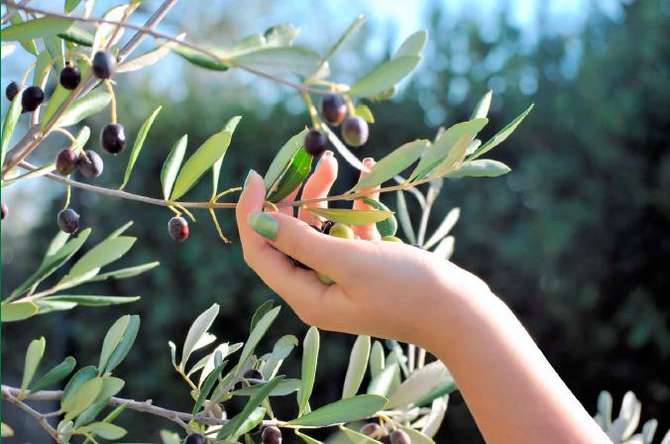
x=200, y=59
x=121, y=350
x=18, y=311
x=448, y=149
x=172, y=164
x=403, y=217
x=445, y=388
x=77, y=35
x=385, y=76
x=139, y=143
x=377, y=359
x=419, y=383
x=27, y=44
x=202, y=160
x=104, y=430
x=416, y=436
x=306, y=439
x=11, y=119
x=351, y=217
x=92, y=103
x=387, y=227
x=82, y=398
x=503, y=134
x=70, y=5
x=342, y=411
x=482, y=108
x=343, y=150
x=55, y=374
x=310, y=359
x=278, y=60
x=413, y=45
x=481, y=168
x=357, y=437
x=394, y=163
x=149, y=58
x=358, y=363
x=207, y=387
x=260, y=312
x=112, y=340
x=54, y=46
x=381, y=384
x=106, y=31
x=256, y=335
x=36, y=28
x=197, y=330
x=294, y=175
x=97, y=257
x=444, y=228
x=124, y=273
x=283, y=159
x=76, y=381
x=281, y=350
x=351, y=30
x=59, y=96
x=34, y=355
x=364, y=112
x=445, y=249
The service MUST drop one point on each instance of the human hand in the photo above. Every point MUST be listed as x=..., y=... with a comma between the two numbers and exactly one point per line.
x=383, y=289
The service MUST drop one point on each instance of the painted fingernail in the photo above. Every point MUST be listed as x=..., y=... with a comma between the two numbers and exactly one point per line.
x=249, y=174
x=325, y=154
x=264, y=224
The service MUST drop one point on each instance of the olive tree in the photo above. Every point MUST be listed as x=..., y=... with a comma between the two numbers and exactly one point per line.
x=81, y=54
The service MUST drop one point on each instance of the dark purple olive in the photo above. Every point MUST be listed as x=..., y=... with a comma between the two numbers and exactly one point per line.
x=113, y=138
x=333, y=109
x=90, y=164
x=178, y=229
x=31, y=98
x=66, y=162
x=68, y=221
x=103, y=65
x=12, y=90
x=271, y=435
x=315, y=142
x=70, y=76
x=355, y=131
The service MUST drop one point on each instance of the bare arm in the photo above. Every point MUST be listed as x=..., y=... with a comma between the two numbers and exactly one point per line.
x=397, y=291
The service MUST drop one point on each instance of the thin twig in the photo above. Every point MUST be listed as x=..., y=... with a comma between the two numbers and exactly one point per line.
x=10, y=393
x=11, y=12
x=153, y=21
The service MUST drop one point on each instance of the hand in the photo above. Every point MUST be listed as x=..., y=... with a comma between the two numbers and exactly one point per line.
x=382, y=289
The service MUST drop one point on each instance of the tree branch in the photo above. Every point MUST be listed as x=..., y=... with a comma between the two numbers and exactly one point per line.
x=10, y=393
x=153, y=21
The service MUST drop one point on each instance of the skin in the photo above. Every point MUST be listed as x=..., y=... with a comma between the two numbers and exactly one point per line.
x=393, y=290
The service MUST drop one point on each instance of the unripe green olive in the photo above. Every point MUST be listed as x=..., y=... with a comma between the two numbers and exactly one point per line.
x=392, y=239
x=342, y=231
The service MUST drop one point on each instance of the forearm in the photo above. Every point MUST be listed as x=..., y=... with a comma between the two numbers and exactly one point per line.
x=512, y=390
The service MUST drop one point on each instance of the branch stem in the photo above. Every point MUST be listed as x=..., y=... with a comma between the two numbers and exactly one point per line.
x=10, y=394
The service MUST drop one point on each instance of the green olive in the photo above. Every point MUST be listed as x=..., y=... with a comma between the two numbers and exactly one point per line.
x=341, y=230
x=392, y=239
x=325, y=279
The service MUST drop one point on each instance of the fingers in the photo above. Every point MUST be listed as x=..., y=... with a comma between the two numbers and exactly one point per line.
x=289, y=199
x=367, y=232
x=298, y=287
x=318, y=186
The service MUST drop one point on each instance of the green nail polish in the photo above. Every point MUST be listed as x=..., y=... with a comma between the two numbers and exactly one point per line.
x=264, y=224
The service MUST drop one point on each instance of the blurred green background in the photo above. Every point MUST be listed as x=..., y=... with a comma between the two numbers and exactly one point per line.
x=575, y=239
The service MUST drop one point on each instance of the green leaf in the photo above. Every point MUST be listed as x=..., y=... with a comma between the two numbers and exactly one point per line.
x=92, y=103
x=105, y=31
x=105, y=430
x=139, y=143
x=381, y=384
x=444, y=228
x=387, y=227
x=281, y=35
x=29, y=45
x=403, y=217
x=503, y=134
x=209, y=152
x=483, y=106
x=97, y=257
x=443, y=389
x=254, y=419
x=448, y=149
x=81, y=139
x=124, y=273
x=59, y=96
x=70, y=5
x=6, y=431
x=119, y=231
x=281, y=350
x=293, y=176
x=56, y=374
x=231, y=428
x=416, y=436
x=357, y=437
x=481, y=168
x=125, y=345
x=377, y=359
x=207, y=387
x=279, y=60
x=364, y=112
x=197, y=330
x=256, y=335
x=34, y=355
x=149, y=58
x=351, y=217
x=36, y=28
x=419, y=384
x=8, y=126
x=54, y=259
x=310, y=359
x=77, y=35
x=306, y=439
x=83, y=397
x=260, y=312
x=445, y=249
x=286, y=387
x=351, y=29
x=52, y=306
x=54, y=46
x=199, y=59
x=18, y=311
x=172, y=164
x=283, y=159
x=358, y=363
x=413, y=45
x=391, y=165
x=342, y=411
x=385, y=76
x=112, y=340
x=76, y=381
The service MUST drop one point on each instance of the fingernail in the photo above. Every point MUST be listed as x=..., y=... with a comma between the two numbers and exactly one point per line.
x=264, y=224
x=249, y=174
x=325, y=154
x=369, y=162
